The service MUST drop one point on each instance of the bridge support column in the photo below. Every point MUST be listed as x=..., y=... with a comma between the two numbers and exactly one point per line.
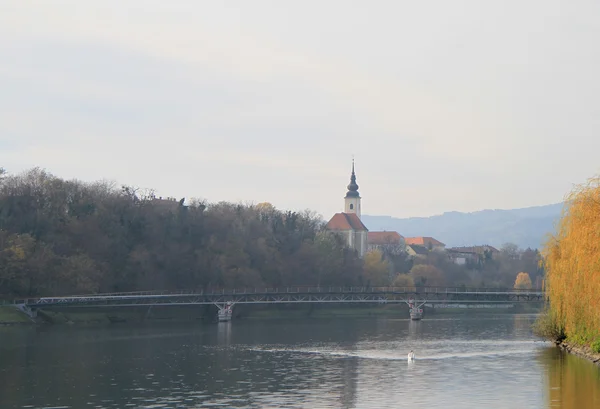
x=415, y=309
x=225, y=312
x=30, y=312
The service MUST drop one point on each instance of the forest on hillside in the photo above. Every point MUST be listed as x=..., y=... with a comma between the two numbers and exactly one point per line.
x=68, y=237
x=62, y=237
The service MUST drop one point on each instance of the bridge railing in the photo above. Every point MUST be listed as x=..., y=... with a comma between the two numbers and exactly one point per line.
x=298, y=290
x=309, y=289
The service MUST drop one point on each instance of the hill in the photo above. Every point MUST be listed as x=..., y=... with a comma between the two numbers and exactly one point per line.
x=525, y=227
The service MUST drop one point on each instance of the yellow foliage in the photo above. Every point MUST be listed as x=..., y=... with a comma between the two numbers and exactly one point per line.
x=18, y=254
x=403, y=280
x=265, y=207
x=523, y=281
x=572, y=261
x=376, y=269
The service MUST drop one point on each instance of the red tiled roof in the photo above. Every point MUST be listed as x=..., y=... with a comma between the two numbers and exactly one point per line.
x=473, y=249
x=424, y=241
x=384, y=237
x=346, y=221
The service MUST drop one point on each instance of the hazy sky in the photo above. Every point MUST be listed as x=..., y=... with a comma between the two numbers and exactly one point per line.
x=446, y=105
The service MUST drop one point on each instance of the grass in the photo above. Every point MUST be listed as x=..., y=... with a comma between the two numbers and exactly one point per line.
x=105, y=315
x=595, y=346
x=10, y=315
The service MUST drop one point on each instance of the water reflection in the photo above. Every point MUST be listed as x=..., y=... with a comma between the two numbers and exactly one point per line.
x=413, y=327
x=464, y=361
x=571, y=382
x=224, y=333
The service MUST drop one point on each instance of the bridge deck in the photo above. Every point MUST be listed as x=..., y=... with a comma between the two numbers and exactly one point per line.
x=297, y=295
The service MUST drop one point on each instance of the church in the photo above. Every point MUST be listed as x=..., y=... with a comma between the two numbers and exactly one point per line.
x=348, y=223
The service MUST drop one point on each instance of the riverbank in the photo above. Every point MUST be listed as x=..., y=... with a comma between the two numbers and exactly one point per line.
x=546, y=327
x=581, y=351
x=9, y=315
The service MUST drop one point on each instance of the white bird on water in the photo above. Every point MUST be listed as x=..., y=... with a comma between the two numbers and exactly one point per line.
x=411, y=356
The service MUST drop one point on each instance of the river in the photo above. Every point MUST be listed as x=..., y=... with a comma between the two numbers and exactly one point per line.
x=462, y=361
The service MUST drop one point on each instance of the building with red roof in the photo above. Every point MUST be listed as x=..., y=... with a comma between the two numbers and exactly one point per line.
x=389, y=242
x=427, y=242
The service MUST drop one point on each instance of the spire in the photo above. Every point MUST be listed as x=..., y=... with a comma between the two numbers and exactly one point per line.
x=352, y=187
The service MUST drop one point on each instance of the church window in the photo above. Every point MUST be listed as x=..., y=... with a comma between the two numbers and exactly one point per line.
x=351, y=206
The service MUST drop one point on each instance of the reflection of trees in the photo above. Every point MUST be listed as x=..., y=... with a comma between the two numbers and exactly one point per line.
x=522, y=324
x=125, y=365
x=572, y=382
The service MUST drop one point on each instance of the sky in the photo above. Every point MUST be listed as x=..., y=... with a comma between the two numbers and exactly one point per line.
x=456, y=105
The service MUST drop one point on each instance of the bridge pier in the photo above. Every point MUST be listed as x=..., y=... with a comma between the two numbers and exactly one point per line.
x=30, y=312
x=415, y=309
x=225, y=312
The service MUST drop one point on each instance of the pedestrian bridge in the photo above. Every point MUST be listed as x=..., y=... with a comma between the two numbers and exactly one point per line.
x=294, y=295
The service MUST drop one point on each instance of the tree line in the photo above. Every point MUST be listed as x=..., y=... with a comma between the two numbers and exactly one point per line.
x=510, y=267
x=61, y=237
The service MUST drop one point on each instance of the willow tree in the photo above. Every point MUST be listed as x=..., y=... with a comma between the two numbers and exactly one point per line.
x=572, y=262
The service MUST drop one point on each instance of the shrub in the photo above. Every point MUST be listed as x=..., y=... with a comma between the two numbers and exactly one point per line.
x=546, y=326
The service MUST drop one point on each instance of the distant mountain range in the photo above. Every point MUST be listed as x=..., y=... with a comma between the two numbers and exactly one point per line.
x=526, y=227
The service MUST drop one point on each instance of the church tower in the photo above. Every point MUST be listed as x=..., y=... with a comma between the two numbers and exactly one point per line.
x=352, y=198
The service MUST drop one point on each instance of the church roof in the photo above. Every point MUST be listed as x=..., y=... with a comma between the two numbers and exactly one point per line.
x=346, y=221
x=384, y=237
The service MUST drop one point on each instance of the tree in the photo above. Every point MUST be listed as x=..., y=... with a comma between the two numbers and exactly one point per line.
x=523, y=281
x=403, y=280
x=376, y=269
x=79, y=274
x=427, y=275
x=265, y=207
x=571, y=261
x=510, y=250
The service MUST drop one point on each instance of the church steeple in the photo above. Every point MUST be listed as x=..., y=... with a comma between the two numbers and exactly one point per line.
x=352, y=198
x=352, y=187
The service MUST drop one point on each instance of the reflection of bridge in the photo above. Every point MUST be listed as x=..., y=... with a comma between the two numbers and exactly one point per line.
x=293, y=295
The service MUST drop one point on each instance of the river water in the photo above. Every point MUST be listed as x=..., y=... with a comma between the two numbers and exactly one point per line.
x=462, y=361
